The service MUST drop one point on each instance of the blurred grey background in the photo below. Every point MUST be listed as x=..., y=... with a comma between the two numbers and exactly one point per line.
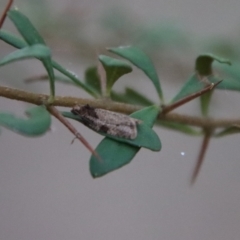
x=46, y=191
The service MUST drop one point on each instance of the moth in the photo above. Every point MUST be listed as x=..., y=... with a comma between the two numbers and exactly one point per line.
x=101, y=120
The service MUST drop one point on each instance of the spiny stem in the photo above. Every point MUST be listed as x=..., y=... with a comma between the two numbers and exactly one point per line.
x=179, y=103
x=203, y=149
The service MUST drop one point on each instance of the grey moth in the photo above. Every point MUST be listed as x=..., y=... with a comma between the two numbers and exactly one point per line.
x=112, y=123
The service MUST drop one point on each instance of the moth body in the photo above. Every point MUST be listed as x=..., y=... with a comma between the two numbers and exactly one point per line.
x=101, y=120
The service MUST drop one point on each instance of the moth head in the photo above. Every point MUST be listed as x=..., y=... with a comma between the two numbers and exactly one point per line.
x=85, y=110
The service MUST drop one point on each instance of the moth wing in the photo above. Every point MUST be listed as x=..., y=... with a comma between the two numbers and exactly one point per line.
x=114, y=118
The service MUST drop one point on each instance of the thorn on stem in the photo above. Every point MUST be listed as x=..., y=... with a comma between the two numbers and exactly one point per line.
x=3, y=17
x=72, y=129
x=187, y=99
x=200, y=159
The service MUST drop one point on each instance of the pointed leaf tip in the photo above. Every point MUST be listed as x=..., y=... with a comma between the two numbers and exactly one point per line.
x=228, y=131
x=25, y=27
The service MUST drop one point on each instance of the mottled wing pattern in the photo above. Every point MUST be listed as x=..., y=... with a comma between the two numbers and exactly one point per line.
x=112, y=123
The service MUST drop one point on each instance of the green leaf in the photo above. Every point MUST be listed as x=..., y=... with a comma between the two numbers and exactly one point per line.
x=142, y=61
x=229, y=84
x=75, y=79
x=34, y=51
x=119, y=155
x=47, y=63
x=25, y=27
x=131, y=96
x=114, y=69
x=194, y=84
x=19, y=43
x=91, y=79
x=32, y=37
x=38, y=122
x=116, y=154
x=205, y=102
x=228, y=131
x=201, y=79
x=183, y=128
x=11, y=39
x=146, y=137
x=232, y=76
x=204, y=62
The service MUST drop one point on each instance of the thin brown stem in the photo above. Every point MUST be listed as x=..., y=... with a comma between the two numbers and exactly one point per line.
x=202, y=153
x=72, y=129
x=4, y=15
x=189, y=98
x=39, y=99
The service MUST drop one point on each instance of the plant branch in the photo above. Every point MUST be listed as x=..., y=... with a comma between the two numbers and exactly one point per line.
x=72, y=129
x=202, y=153
x=38, y=99
x=179, y=103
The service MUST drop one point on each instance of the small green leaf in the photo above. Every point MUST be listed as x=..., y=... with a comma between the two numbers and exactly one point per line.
x=204, y=62
x=228, y=131
x=42, y=52
x=142, y=61
x=11, y=39
x=232, y=75
x=205, y=102
x=25, y=27
x=116, y=154
x=229, y=84
x=34, y=51
x=38, y=123
x=47, y=63
x=75, y=79
x=114, y=69
x=119, y=155
x=19, y=43
x=32, y=37
x=194, y=84
x=201, y=79
x=146, y=137
x=183, y=128
x=91, y=79
x=131, y=96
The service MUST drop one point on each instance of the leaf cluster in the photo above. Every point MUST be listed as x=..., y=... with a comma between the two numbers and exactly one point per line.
x=99, y=82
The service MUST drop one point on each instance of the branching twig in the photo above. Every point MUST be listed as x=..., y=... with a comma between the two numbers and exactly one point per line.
x=38, y=99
